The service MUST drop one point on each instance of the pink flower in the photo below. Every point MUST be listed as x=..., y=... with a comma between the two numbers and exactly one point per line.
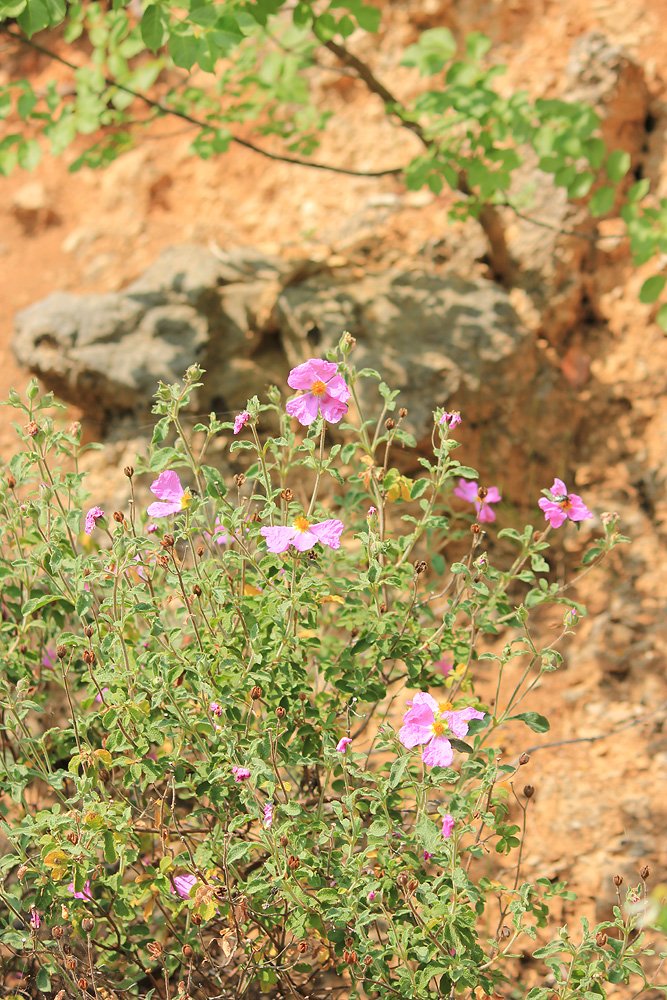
x=342, y=744
x=167, y=488
x=34, y=919
x=85, y=892
x=372, y=511
x=98, y=696
x=563, y=505
x=450, y=420
x=371, y=896
x=303, y=535
x=427, y=722
x=428, y=856
x=215, y=708
x=324, y=390
x=49, y=657
x=240, y=773
x=240, y=420
x=92, y=517
x=151, y=528
x=220, y=534
x=468, y=490
x=183, y=884
x=268, y=815
x=445, y=666
x=447, y=825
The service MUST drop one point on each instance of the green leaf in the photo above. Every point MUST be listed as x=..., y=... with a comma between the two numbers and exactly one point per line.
x=652, y=288
x=38, y=602
x=477, y=45
x=580, y=186
x=153, y=27
x=43, y=980
x=11, y=8
x=602, y=201
x=436, y=46
x=618, y=165
x=538, y=723
x=29, y=154
x=594, y=150
x=419, y=488
x=460, y=745
x=398, y=769
x=34, y=18
x=661, y=318
x=183, y=49
x=110, y=855
x=639, y=190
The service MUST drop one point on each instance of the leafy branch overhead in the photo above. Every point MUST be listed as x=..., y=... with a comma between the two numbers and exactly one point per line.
x=259, y=62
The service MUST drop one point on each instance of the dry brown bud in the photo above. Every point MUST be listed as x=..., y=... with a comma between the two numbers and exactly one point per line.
x=403, y=878
x=196, y=590
x=23, y=649
x=162, y=561
x=82, y=983
x=350, y=957
x=11, y=482
x=644, y=872
x=57, y=932
x=284, y=841
x=390, y=424
x=104, y=774
x=529, y=791
x=476, y=528
x=412, y=885
x=402, y=414
x=167, y=542
x=32, y=428
x=255, y=519
x=312, y=555
x=196, y=919
x=618, y=881
x=154, y=948
x=354, y=632
x=200, y=551
x=129, y=471
x=524, y=758
x=293, y=863
x=256, y=692
x=383, y=608
x=239, y=479
x=118, y=517
x=280, y=712
x=71, y=963
x=88, y=657
x=88, y=631
x=350, y=340
x=187, y=951
x=600, y=939
x=302, y=947
x=20, y=872
x=61, y=995
x=420, y=566
x=302, y=695
x=368, y=960
x=482, y=493
x=287, y=495
x=61, y=652
x=73, y=837
x=505, y=931
x=87, y=924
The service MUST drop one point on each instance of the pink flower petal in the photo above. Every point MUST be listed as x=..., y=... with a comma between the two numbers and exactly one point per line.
x=458, y=721
x=278, y=538
x=304, y=408
x=413, y=734
x=466, y=489
x=304, y=540
x=438, y=753
x=578, y=510
x=159, y=509
x=485, y=514
x=492, y=495
x=332, y=409
x=328, y=532
x=559, y=489
x=303, y=376
x=447, y=825
x=337, y=388
x=167, y=486
x=554, y=514
x=342, y=744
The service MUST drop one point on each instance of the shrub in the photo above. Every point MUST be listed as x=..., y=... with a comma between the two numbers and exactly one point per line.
x=229, y=807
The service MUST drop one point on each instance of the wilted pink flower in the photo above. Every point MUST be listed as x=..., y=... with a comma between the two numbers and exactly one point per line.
x=372, y=511
x=240, y=420
x=303, y=535
x=563, y=505
x=268, y=815
x=450, y=420
x=444, y=666
x=427, y=722
x=467, y=489
x=167, y=488
x=85, y=892
x=92, y=517
x=342, y=744
x=34, y=919
x=324, y=390
x=151, y=528
x=183, y=884
x=447, y=825
x=428, y=855
x=240, y=773
x=215, y=708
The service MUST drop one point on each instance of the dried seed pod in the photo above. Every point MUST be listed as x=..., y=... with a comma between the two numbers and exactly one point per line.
x=644, y=872
x=476, y=528
x=420, y=566
x=524, y=758
x=383, y=608
x=61, y=652
x=88, y=631
x=200, y=551
x=280, y=712
x=129, y=471
x=402, y=414
x=482, y=493
x=88, y=657
x=287, y=495
x=505, y=931
x=368, y=960
x=618, y=881
x=11, y=482
x=167, y=542
x=23, y=649
x=87, y=924
x=187, y=951
x=196, y=590
x=57, y=932
x=82, y=983
x=154, y=948
x=600, y=939
x=284, y=841
x=390, y=424
x=162, y=561
x=239, y=479
x=293, y=863
x=72, y=837
x=302, y=947
x=32, y=428
x=256, y=692
x=118, y=516
x=196, y=919
x=71, y=963
x=529, y=791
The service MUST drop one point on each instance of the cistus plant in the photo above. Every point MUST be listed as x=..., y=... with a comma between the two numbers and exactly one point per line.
x=245, y=749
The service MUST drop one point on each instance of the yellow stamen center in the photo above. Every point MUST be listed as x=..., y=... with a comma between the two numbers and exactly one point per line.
x=438, y=727
x=302, y=524
x=445, y=706
x=186, y=500
x=565, y=503
x=318, y=388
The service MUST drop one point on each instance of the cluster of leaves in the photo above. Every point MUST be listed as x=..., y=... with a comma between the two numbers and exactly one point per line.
x=257, y=57
x=142, y=667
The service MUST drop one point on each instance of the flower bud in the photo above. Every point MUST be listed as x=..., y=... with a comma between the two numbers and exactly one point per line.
x=476, y=529
x=72, y=837
x=292, y=863
x=529, y=791
x=302, y=947
x=71, y=963
x=129, y=471
x=284, y=841
x=280, y=712
x=644, y=872
x=57, y=932
x=524, y=758
x=196, y=590
x=350, y=957
x=383, y=608
x=256, y=692
x=482, y=493
x=390, y=424
x=88, y=657
x=23, y=649
x=402, y=879
x=82, y=983
x=368, y=960
x=11, y=482
x=200, y=551
x=88, y=631
x=32, y=429
x=87, y=924
x=354, y=632
x=75, y=428
x=618, y=881
x=196, y=919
